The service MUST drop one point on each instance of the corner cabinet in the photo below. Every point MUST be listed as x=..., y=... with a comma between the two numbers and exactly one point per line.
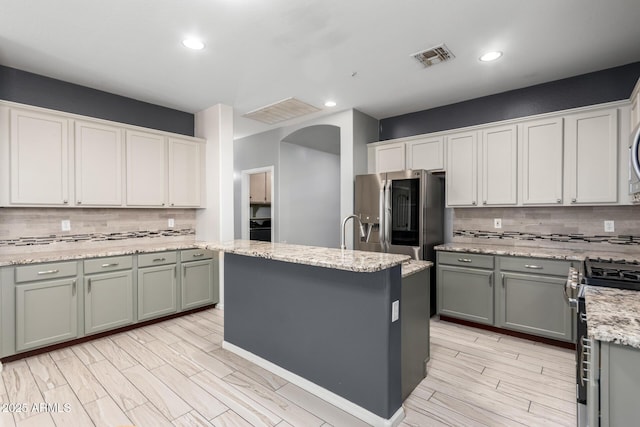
x=39, y=153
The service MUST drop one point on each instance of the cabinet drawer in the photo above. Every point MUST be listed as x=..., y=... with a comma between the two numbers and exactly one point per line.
x=195, y=255
x=114, y=263
x=465, y=259
x=52, y=270
x=535, y=266
x=157, y=258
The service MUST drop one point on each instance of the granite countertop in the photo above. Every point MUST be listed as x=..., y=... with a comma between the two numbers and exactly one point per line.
x=613, y=315
x=79, y=251
x=350, y=260
x=412, y=266
x=568, y=254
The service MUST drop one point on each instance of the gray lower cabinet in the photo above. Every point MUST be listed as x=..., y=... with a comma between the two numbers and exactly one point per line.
x=157, y=285
x=530, y=297
x=465, y=286
x=619, y=385
x=46, y=305
x=108, y=297
x=199, y=284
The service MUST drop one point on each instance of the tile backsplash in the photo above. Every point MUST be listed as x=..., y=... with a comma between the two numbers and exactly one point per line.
x=44, y=224
x=548, y=226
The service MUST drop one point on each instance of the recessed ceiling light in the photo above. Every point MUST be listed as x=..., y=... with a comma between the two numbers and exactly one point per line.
x=490, y=56
x=330, y=104
x=194, y=44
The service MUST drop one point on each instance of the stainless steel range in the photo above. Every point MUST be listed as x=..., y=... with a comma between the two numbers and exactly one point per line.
x=611, y=273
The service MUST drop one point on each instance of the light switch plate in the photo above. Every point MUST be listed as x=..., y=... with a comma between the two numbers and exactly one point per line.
x=171, y=223
x=609, y=226
x=65, y=225
x=497, y=222
x=395, y=310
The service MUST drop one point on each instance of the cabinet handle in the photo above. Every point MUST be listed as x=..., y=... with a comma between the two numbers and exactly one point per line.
x=491, y=280
x=558, y=200
x=573, y=200
x=40, y=273
x=172, y=204
x=159, y=259
x=198, y=255
x=484, y=202
x=65, y=202
x=174, y=272
x=89, y=286
x=464, y=260
x=534, y=267
x=163, y=204
x=113, y=264
x=474, y=203
x=502, y=279
x=73, y=287
x=79, y=202
x=184, y=271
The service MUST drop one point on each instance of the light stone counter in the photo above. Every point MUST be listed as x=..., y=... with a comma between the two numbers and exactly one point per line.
x=350, y=260
x=78, y=251
x=613, y=315
x=563, y=253
x=412, y=266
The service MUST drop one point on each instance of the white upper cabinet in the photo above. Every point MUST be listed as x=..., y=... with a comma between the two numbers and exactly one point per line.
x=635, y=106
x=146, y=169
x=390, y=157
x=425, y=153
x=499, y=166
x=462, y=169
x=99, y=170
x=185, y=172
x=39, y=147
x=591, y=147
x=541, y=160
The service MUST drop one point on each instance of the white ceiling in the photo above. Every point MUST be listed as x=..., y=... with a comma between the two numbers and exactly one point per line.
x=261, y=51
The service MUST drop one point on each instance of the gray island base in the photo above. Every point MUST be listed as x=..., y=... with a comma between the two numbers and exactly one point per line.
x=329, y=329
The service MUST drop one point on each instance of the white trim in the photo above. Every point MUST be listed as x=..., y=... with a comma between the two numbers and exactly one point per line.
x=244, y=201
x=517, y=120
x=324, y=394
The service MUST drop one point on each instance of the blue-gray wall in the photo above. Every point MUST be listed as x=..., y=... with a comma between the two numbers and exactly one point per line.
x=608, y=85
x=33, y=89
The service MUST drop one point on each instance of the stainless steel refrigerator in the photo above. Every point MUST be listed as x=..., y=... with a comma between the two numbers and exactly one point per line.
x=402, y=212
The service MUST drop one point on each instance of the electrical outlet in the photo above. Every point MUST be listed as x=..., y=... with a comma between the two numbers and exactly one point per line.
x=497, y=222
x=171, y=223
x=609, y=226
x=65, y=225
x=395, y=310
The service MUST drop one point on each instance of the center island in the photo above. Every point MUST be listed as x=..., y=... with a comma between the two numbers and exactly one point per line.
x=344, y=325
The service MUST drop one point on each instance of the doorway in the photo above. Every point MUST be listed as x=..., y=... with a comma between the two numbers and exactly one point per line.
x=258, y=216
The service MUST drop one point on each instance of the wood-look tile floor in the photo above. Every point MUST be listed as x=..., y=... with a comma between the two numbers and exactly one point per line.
x=175, y=373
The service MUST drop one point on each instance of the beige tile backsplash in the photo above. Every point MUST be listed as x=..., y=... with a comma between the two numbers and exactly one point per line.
x=36, y=222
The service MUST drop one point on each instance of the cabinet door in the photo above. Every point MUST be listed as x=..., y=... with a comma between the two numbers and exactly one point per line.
x=542, y=154
x=465, y=293
x=146, y=166
x=185, y=171
x=390, y=158
x=592, y=156
x=46, y=313
x=156, y=291
x=39, y=159
x=98, y=165
x=108, y=301
x=198, y=284
x=462, y=169
x=426, y=153
x=500, y=166
x=534, y=304
x=258, y=187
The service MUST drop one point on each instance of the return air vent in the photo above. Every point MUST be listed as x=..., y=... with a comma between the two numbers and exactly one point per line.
x=434, y=55
x=280, y=111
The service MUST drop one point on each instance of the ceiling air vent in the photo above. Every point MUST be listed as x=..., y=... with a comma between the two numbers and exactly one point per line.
x=280, y=111
x=434, y=55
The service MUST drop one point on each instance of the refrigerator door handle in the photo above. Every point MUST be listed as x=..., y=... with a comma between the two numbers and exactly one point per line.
x=387, y=216
x=381, y=213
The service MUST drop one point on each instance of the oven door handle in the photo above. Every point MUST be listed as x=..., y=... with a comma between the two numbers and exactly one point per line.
x=634, y=154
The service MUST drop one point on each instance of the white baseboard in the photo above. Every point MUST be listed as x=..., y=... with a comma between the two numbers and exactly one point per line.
x=324, y=394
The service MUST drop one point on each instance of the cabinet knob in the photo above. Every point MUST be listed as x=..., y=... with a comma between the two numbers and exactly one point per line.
x=65, y=202
x=558, y=200
x=172, y=204
x=573, y=200
x=79, y=202
x=474, y=203
x=484, y=202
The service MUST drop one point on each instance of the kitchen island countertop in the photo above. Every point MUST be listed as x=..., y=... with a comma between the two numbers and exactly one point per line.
x=613, y=315
x=340, y=259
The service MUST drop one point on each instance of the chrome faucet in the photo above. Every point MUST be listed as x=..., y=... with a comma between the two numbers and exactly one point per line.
x=343, y=245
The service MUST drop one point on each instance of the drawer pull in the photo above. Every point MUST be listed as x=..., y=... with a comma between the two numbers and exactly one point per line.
x=464, y=260
x=159, y=259
x=533, y=267
x=198, y=255
x=40, y=273
x=113, y=264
